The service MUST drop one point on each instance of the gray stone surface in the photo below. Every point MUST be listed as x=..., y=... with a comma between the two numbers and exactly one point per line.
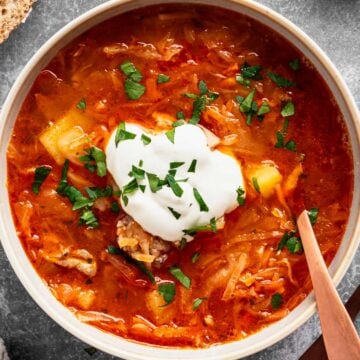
x=28, y=332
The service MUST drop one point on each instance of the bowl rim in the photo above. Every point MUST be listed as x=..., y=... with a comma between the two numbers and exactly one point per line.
x=133, y=350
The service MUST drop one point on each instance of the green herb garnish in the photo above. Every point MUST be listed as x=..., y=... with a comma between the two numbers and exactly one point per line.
x=288, y=109
x=145, y=139
x=313, y=214
x=240, y=196
x=81, y=104
x=41, y=173
x=113, y=250
x=255, y=184
x=133, y=89
x=154, y=182
x=175, y=213
x=294, y=245
x=295, y=64
x=137, y=173
x=88, y=218
x=95, y=159
x=170, y=134
x=192, y=166
x=276, y=301
x=180, y=116
x=200, y=200
x=203, y=87
x=195, y=257
x=114, y=207
x=176, y=164
x=213, y=225
x=168, y=292
x=162, y=78
x=280, y=81
x=197, y=302
x=175, y=187
x=290, y=145
x=122, y=134
x=180, y=276
x=130, y=187
x=263, y=109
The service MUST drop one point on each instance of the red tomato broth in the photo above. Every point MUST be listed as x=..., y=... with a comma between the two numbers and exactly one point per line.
x=213, y=53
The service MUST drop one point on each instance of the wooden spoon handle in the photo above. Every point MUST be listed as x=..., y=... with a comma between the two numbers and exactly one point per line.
x=340, y=336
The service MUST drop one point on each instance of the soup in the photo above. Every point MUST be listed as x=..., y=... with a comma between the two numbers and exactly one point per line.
x=155, y=174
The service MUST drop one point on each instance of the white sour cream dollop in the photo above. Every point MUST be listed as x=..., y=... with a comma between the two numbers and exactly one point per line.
x=217, y=177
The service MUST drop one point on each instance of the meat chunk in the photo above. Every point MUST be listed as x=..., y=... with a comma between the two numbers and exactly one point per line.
x=139, y=244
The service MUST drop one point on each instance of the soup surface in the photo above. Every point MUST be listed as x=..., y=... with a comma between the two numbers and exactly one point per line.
x=264, y=105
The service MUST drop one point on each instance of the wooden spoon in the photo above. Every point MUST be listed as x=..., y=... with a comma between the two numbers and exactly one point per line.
x=339, y=333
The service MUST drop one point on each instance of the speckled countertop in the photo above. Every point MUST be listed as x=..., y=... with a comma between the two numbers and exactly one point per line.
x=28, y=332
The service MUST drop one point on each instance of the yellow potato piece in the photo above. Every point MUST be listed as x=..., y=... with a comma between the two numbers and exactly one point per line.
x=267, y=177
x=51, y=137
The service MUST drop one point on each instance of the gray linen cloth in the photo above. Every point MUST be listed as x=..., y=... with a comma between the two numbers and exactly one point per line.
x=3, y=353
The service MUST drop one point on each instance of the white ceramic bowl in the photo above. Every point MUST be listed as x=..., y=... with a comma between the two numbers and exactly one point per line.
x=129, y=349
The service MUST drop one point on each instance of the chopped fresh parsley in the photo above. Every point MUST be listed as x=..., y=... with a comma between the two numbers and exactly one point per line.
x=294, y=245
x=127, y=68
x=168, y=292
x=130, y=187
x=145, y=139
x=263, y=109
x=200, y=200
x=295, y=64
x=114, y=250
x=284, y=239
x=245, y=105
x=180, y=276
x=95, y=159
x=313, y=214
x=192, y=166
x=41, y=173
x=180, y=115
x=290, y=145
x=280, y=81
x=122, y=134
x=175, y=213
x=176, y=164
x=154, y=182
x=178, y=123
x=63, y=180
x=175, y=187
x=82, y=202
x=248, y=106
x=241, y=80
x=200, y=101
x=195, y=257
x=199, y=228
x=240, y=196
x=133, y=89
x=197, y=302
x=162, y=78
x=81, y=104
x=288, y=109
x=170, y=134
x=203, y=87
x=251, y=72
x=255, y=184
x=88, y=218
x=137, y=173
x=142, y=188
x=114, y=207
x=213, y=225
x=276, y=301
x=96, y=192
